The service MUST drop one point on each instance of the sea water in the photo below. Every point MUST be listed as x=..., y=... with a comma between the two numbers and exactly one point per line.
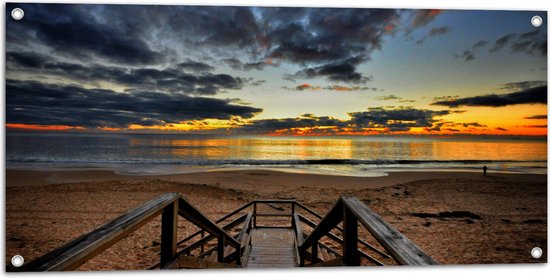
x=351, y=156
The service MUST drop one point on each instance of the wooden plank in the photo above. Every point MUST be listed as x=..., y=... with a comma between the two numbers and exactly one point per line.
x=201, y=231
x=197, y=263
x=169, y=229
x=271, y=248
x=350, y=254
x=76, y=252
x=400, y=247
x=192, y=214
x=204, y=240
x=274, y=214
x=340, y=240
x=333, y=217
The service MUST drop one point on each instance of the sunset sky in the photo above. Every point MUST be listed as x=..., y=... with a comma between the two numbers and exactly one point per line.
x=287, y=71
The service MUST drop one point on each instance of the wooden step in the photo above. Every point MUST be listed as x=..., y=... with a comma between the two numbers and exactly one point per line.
x=188, y=262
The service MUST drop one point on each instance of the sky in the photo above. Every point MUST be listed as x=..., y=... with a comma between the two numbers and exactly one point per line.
x=275, y=71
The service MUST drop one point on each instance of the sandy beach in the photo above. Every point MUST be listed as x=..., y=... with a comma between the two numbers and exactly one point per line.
x=507, y=213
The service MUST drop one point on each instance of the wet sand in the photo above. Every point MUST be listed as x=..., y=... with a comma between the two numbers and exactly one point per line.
x=456, y=217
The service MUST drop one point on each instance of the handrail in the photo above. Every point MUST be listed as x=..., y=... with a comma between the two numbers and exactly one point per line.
x=77, y=251
x=350, y=210
x=398, y=245
x=339, y=239
x=217, y=221
x=192, y=214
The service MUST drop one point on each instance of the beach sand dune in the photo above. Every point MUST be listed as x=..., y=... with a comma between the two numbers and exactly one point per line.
x=456, y=217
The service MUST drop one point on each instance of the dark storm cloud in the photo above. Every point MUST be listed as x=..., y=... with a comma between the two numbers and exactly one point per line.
x=537, y=117
x=537, y=95
x=32, y=102
x=237, y=64
x=74, y=31
x=523, y=85
x=345, y=71
x=169, y=79
x=389, y=119
x=306, y=121
x=330, y=34
x=195, y=66
x=400, y=119
x=532, y=43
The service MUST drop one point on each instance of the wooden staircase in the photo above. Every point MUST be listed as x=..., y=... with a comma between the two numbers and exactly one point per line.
x=261, y=233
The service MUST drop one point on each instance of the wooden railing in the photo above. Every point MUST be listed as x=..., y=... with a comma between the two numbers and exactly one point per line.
x=171, y=205
x=231, y=248
x=351, y=211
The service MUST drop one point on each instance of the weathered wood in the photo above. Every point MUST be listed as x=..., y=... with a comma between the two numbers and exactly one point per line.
x=272, y=248
x=78, y=251
x=221, y=247
x=204, y=240
x=198, y=263
x=168, y=242
x=340, y=240
x=298, y=229
x=201, y=231
x=192, y=214
x=400, y=247
x=315, y=252
x=274, y=214
x=350, y=254
x=333, y=217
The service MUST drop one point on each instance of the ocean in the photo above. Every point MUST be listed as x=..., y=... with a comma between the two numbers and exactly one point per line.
x=146, y=154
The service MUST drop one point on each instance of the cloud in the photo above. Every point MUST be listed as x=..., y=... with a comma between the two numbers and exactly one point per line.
x=535, y=126
x=334, y=87
x=380, y=118
x=344, y=71
x=531, y=43
x=172, y=79
x=437, y=31
x=396, y=98
x=236, y=64
x=74, y=31
x=523, y=85
x=537, y=117
x=32, y=102
x=195, y=66
x=537, y=95
x=400, y=119
x=466, y=55
x=480, y=44
x=423, y=17
x=288, y=124
x=501, y=129
x=303, y=87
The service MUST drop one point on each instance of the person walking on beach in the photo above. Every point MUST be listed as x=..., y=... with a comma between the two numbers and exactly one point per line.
x=484, y=170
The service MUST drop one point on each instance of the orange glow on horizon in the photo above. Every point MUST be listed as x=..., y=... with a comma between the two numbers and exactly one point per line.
x=43, y=127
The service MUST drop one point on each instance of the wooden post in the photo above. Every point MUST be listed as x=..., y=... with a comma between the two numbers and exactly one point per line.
x=351, y=255
x=254, y=226
x=202, y=245
x=168, y=242
x=221, y=245
x=315, y=252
